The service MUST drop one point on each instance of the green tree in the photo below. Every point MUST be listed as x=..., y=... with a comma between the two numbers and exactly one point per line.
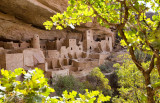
x=129, y=20
x=132, y=83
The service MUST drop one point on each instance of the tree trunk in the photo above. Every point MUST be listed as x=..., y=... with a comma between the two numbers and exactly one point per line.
x=149, y=89
x=158, y=65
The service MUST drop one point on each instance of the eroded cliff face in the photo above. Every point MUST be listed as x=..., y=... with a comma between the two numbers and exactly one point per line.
x=34, y=12
x=21, y=19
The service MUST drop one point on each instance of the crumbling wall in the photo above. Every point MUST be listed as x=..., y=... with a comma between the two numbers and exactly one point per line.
x=61, y=56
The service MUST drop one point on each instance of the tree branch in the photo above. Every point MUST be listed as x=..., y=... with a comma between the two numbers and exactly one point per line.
x=104, y=20
x=151, y=66
x=146, y=40
x=158, y=62
x=131, y=51
x=125, y=15
x=146, y=22
x=155, y=89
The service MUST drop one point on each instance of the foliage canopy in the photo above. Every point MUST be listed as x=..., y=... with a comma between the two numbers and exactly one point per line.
x=35, y=89
x=132, y=83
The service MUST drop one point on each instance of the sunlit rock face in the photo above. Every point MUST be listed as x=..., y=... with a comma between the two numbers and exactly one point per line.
x=21, y=19
x=34, y=12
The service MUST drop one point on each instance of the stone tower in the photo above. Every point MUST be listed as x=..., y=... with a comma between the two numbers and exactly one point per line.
x=36, y=42
x=88, y=41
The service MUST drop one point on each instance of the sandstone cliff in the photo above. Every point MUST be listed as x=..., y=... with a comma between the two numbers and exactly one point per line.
x=21, y=19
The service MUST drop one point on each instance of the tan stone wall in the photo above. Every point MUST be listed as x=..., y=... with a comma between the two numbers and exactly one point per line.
x=60, y=56
x=14, y=61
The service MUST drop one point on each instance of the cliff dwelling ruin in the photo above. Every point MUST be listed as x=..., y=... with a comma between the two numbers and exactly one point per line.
x=62, y=56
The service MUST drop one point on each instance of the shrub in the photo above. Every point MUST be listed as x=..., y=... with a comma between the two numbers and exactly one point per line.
x=68, y=83
x=107, y=67
x=96, y=81
x=141, y=56
x=88, y=97
x=34, y=89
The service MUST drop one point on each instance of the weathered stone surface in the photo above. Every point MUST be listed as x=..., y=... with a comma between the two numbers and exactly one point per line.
x=36, y=41
x=94, y=56
x=31, y=11
x=53, y=54
x=60, y=72
x=8, y=45
x=57, y=5
x=48, y=74
x=38, y=54
x=21, y=19
x=2, y=61
x=101, y=61
x=33, y=56
x=2, y=50
x=103, y=56
x=82, y=73
x=43, y=66
x=64, y=52
x=55, y=63
x=24, y=45
x=49, y=62
x=94, y=63
x=14, y=29
x=14, y=61
x=82, y=63
x=28, y=58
